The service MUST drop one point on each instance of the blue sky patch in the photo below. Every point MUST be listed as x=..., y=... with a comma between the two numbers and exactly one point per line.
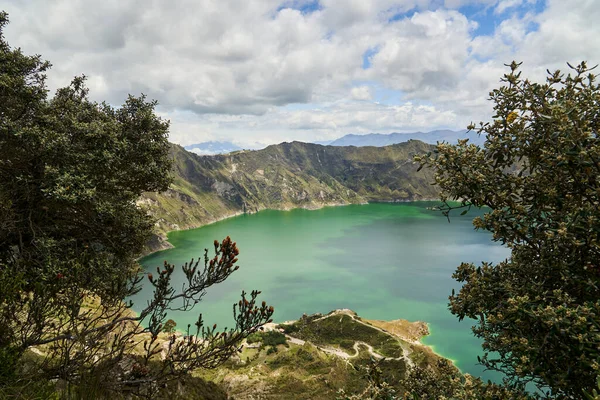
x=386, y=96
x=367, y=57
x=402, y=15
x=305, y=7
x=488, y=19
x=484, y=16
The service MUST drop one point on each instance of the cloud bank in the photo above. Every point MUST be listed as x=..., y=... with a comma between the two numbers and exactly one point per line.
x=266, y=71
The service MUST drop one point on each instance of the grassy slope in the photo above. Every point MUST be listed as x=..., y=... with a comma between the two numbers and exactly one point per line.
x=284, y=176
x=293, y=372
x=306, y=371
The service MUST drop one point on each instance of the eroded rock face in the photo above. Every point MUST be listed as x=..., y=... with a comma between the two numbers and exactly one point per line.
x=303, y=195
x=185, y=198
x=223, y=189
x=157, y=242
x=145, y=202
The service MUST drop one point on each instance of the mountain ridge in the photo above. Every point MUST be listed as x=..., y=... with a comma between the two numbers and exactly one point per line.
x=284, y=176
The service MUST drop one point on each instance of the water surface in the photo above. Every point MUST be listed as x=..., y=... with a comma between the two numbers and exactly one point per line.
x=384, y=261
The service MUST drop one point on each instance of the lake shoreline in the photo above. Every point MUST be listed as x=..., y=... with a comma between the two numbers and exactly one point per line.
x=160, y=241
x=336, y=257
x=418, y=341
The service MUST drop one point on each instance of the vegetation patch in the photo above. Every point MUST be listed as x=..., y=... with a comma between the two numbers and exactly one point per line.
x=298, y=372
x=343, y=331
x=270, y=338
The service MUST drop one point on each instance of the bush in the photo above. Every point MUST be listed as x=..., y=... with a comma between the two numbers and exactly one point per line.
x=271, y=338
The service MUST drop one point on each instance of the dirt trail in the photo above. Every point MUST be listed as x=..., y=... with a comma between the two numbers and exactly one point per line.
x=406, y=351
x=329, y=350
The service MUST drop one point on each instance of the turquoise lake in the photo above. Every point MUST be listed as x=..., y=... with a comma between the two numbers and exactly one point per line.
x=384, y=261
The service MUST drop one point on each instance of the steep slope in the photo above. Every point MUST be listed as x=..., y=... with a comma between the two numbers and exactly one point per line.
x=284, y=176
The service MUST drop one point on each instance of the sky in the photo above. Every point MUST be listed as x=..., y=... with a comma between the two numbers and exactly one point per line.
x=258, y=72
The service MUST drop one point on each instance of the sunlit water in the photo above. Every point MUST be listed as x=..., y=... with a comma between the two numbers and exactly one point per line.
x=384, y=261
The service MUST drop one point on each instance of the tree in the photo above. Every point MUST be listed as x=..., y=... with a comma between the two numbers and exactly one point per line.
x=169, y=326
x=435, y=381
x=538, y=312
x=377, y=388
x=445, y=381
x=71, y=171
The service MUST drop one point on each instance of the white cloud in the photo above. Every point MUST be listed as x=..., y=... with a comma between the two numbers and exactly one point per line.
x=424, y=52
x=504, y=5
x=328, y=122
x=357, y=116
x=245, y=70
x=568, y=31
x=361, y=93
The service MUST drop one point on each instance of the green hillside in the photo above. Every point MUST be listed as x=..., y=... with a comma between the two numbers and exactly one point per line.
x=317, y=355
x=284, y=176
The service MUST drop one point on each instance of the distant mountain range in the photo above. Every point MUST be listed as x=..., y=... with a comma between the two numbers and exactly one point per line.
x=371, y=139
x=210, y=148
x=379, y=140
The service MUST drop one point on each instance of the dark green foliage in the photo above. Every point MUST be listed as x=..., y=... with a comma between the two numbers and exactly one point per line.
x=347, y=344
x=444, y=381
x=270, y=338
x=305, y=355
x=595, y=394
x=9, y=356
x=290, y=328
x=185, y=387
x=71, y=171
x=377, y=388
x=436, y=381
x=169, y=326
x=190, y=387
x=254, y=338
x=538, y=312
